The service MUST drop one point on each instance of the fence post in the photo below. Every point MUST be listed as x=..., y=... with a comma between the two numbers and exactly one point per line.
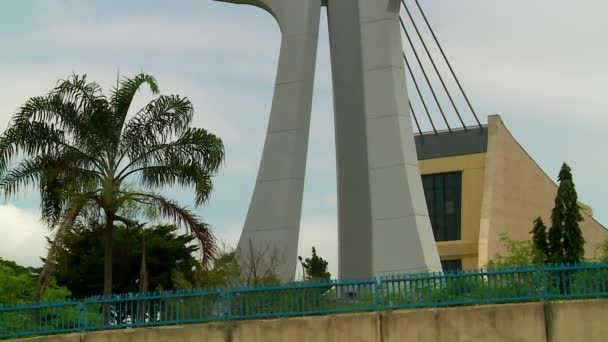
x=82, y=317
x=225, y=305
x=539, y=282
x=379, y=294
x=542, y=282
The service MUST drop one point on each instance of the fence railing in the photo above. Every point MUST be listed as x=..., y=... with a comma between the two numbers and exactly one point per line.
x=419, y=290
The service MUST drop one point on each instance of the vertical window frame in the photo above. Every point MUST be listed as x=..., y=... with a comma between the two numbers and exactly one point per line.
x=437, y=187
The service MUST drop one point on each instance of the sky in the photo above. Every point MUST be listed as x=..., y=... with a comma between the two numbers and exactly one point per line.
x=542, y=65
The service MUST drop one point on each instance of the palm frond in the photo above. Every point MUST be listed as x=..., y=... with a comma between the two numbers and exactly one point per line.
x=191, y=174
x=183, y=217
x=35, y=138
x=194, y=144
x=59, y=178
x=77, y=90
x=122, y=95
x=71, y=106
x=48, y=109
x=159, y=121
x=27, y=173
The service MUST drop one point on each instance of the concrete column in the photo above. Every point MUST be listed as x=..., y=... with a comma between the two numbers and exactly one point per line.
x=354, y=197
x=382, y=216
x=271, y=230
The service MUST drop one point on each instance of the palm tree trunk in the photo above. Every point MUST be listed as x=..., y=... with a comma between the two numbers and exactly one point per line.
x=107, y=265
x=142, y=306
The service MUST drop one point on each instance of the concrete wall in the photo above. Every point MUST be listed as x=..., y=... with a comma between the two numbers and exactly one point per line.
x=510, y=322
x=55, y=338
x=516, y=191
x=577, y=321
x=472, y=167
x=569, y=321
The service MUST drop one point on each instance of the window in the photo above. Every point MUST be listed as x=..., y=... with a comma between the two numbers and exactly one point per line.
x=451, y=265
x=443, y=196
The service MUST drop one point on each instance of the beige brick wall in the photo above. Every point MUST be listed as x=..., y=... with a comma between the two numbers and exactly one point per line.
x=516, y=191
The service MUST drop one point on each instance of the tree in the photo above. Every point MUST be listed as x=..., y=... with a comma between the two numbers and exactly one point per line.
x=315, y=267
x=566, y=242
x=258, y=266
x=539, y=241
x=81, y=151
x=518, y=253
x=17, y=284
x=81, y=256
x=604, y=251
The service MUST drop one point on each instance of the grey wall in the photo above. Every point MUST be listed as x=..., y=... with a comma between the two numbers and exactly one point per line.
x=446, y=144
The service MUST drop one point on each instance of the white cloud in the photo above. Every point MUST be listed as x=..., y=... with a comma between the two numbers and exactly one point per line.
x=23, y=236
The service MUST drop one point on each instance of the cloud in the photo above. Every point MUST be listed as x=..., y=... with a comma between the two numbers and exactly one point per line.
x=23, y=236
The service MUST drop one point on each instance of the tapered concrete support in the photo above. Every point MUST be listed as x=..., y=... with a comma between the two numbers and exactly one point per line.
x=382, y=216
x=270, y=235
x=383, y=223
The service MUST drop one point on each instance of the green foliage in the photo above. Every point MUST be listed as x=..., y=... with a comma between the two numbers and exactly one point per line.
x=14, y=287
x=539, y=242
x=566, y=242
x=315, y=267
x=463, y=289
x=81, y=258
x=79, y=148
x=298, y=300
x=225, y=272
x=17, y=284
x=518, y=253
x=604, y=251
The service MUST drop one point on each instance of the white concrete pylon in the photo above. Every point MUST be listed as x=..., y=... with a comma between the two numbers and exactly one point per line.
x=383, y=223
x=270, y=235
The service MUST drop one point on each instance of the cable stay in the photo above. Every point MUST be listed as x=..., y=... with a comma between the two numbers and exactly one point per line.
x=420, y=95
x=415, y=118
x=447, y=61
x=437, y=72
x=425, y=76
x=434, y=65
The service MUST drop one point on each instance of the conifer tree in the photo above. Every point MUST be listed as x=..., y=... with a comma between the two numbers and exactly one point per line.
x=566, y=242
x=315, y=267
x=539, y=239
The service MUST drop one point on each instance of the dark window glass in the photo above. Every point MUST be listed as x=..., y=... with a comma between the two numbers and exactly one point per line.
x=443, y=198
x=451, y=265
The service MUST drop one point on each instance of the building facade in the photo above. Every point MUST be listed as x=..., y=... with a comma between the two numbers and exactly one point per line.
x=481, y=183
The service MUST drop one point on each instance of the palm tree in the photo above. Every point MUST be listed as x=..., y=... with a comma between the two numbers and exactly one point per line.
x=87, y=158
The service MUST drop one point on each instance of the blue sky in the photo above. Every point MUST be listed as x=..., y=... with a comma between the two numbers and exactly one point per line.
x=541, y=65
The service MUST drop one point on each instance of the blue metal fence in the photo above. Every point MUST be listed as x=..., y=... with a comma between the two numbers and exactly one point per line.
x=40, y=319
x=419, y=290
